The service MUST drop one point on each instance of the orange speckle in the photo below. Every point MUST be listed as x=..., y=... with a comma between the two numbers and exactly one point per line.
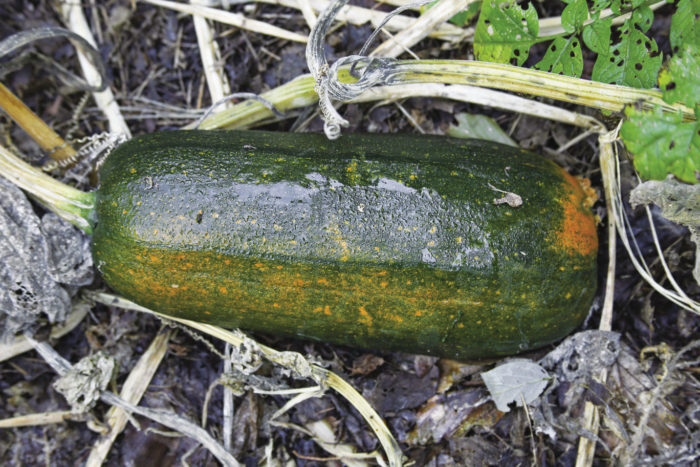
x=384, y=283
x=223, y=290
x=155, y=259
x=327, y=310
x=299, y=283
x=322, y=281
x=279, y=266
x=275, y=305
x=258, y=265
x=366, y=317
x=318, y=309
x=124, y=211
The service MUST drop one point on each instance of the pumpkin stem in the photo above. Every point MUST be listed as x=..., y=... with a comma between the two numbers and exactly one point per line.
x=71, y=204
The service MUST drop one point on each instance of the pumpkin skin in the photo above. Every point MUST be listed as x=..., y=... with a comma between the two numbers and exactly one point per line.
x=386, y=242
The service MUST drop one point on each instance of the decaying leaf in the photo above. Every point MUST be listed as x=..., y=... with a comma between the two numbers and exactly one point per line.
x=40, y=259
x=679, y=203
x=82, y=385
x=518, y=380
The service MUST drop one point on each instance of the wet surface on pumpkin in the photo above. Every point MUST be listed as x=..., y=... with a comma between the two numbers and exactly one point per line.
x=370, y=247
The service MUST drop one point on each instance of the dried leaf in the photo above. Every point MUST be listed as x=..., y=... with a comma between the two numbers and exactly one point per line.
x=83, y=383
x=516, y=381
x=679, y=203
x=38, y=258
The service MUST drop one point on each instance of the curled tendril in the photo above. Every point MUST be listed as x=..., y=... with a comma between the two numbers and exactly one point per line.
x=369, y=71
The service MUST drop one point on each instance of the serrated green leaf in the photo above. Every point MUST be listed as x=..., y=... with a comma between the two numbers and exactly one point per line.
x=635, y=60
x=685, y=24
x=662, y=143
x=574, y=15
x=505, y=32
x=564, y=57
x=680, y=78
x=596, y=35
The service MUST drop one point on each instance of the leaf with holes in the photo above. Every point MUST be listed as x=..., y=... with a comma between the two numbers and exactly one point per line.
x=680, y=78
x=662, y=143
x=563, y=57
x=685, y=24
x=505, y=32
x=635, y=60
x=574, y=15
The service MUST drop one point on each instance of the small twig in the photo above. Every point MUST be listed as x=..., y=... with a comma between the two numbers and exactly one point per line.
x=591, y=417
x=422, y=26
x=211, y=58
x=35, y=419
x=30, y=122
x=358, y=16
x=72, y=13
x=233, y=19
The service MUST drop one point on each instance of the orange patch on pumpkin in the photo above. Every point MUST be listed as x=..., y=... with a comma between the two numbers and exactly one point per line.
x=578, y=231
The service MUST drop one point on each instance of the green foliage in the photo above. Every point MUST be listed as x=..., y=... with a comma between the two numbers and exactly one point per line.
x=505, y=32
x=683, y=24
x=680, y=78
x=574, y=15
x=635, y=59
x=662, y=143
x=563, y=57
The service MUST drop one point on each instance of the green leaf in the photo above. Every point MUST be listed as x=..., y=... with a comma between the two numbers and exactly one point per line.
x=680, y=78
x=597, y=6
x=635, y=60
x=596, y=35
x=662, y=143
x=505, y=32
x=684, y=24
x=563, y=57
x=574, y=15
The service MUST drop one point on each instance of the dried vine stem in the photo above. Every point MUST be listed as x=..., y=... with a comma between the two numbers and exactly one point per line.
x=291, y=360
